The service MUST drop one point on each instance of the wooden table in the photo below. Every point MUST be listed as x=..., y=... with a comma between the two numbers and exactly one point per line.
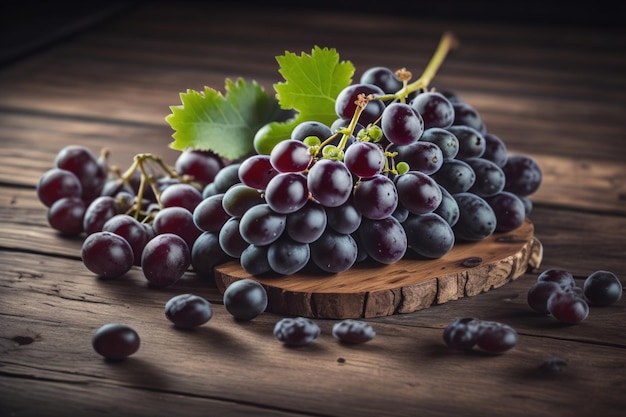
x=557, y=93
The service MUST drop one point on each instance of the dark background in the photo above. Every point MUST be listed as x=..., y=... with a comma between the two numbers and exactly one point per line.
x=29, y=25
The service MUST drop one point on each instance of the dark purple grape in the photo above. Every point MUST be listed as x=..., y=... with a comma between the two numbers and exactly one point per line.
x=495, y=149
x=330, y=182
x=523, y=175
x=261, y=225
x=256, y=171
x=334, y=252
x=436, y=110
x=239, y=198
x=188, y=310
x=471, y=142
x=477, y=220
x=307, y=224
x=428, y=235
x=200, y=165
x=539, y=294
x=401, y=124
x=364, y=159
x=466, y=115
x=254, y=261
x=564, y=278
x=290, y=156
x=376, y=198
x=462, y=333
x=455, y=175
x=448, y=209
x=444, y=139
x=206, y=253
x=286, y=256
x=509, y=210
x=133, y=231
x=227, y=177
x=58, y=183
x=422, y=156
x=210, y=215
x=418, y=192
x=345, y=218
x=245, y=299
x=181, y=195
x=176, y=220
x=98, y=212
x=66, y=215
x=382, y=77
x=287, y=192
x=311, y=128
x=115, y=341
x=384, y=240
x=495, y=337
x=602, y=288
x=345, y=103
x=568, y=307
x=86, y=166
x=297, y=331
x=353, y=331
x=230, y=239
x=107, y=255
x=165, y=259
x=490, y=178
x=401, y=213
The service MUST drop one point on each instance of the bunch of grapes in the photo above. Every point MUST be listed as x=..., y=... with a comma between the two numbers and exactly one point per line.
x=393, y=176
x=140, y=217
x=403, y=171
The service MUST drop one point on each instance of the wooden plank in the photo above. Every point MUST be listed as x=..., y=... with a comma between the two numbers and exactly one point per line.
x=31, y=142
x=208, y=363
x=97, y=397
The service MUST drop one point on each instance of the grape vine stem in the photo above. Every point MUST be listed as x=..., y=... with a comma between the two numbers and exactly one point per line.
x=448, y=42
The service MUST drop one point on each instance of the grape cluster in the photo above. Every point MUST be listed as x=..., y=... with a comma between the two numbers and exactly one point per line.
x=556, y=293
x=141, y=217
x=401, y=172
x=395, y=175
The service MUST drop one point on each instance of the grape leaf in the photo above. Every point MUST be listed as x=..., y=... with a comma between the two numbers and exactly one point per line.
x=225, y=124
x=312, y=83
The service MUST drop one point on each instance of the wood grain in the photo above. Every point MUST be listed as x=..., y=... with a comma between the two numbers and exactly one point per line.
x=556, y=93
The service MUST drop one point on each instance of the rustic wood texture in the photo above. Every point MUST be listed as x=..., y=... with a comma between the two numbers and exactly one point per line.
x=555, y=92
x=374, y=290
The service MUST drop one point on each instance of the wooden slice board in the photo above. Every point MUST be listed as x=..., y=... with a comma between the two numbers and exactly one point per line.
x=374, y=290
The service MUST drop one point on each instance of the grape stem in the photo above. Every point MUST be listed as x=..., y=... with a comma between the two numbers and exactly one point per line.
x=448, y=41
x=141, y=162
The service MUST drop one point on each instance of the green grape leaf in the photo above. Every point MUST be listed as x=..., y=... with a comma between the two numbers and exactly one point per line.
x=312, y=83
x=225, y=124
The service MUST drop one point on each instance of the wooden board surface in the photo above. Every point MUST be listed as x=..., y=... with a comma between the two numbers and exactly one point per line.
x=553, y=92
x=373, y=290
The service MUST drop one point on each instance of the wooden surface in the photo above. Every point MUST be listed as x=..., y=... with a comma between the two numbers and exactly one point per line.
x=555, y=92
x=369, y=290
